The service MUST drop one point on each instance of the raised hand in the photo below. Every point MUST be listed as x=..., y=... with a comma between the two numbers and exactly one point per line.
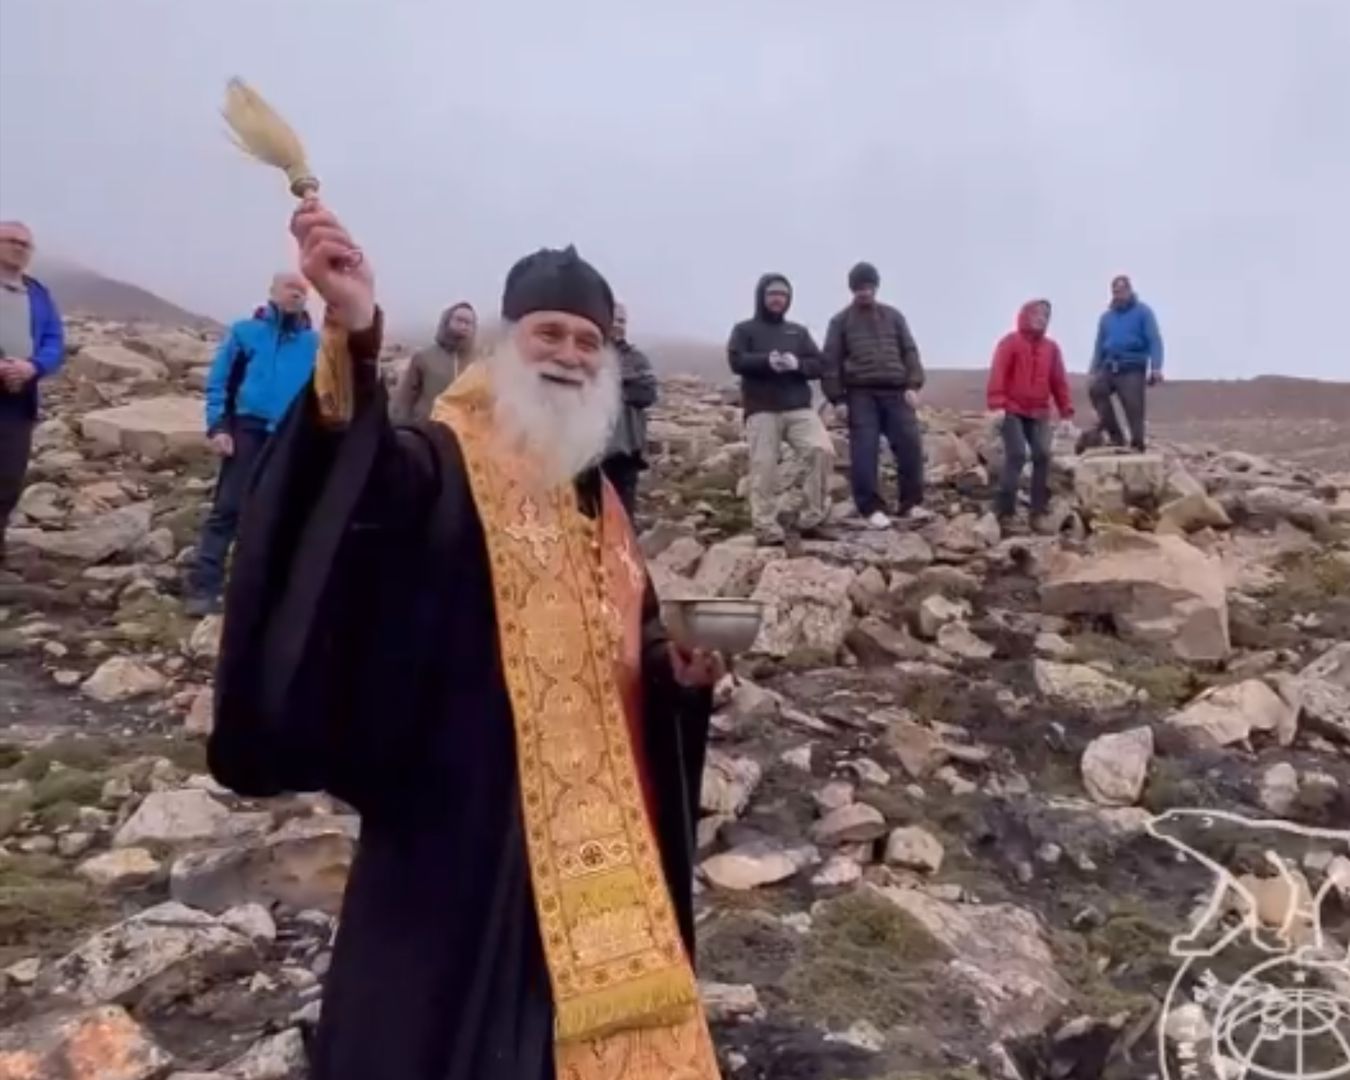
x=334, y=265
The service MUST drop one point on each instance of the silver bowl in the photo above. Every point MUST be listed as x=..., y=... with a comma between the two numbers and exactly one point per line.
x=717, y=623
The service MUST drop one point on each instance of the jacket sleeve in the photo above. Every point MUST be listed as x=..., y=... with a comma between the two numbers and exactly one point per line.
x=811, y=362
x=49, y=342
x=1098, y=347
x=1059, y=385
x=996, y=395
x=406, y=392
x=1154, y=338
x=909, y=352
x=832, y=361
x=742, y=360
x=639, y=380
x=217, y=381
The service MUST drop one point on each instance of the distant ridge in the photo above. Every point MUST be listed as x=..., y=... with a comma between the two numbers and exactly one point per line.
x=80, y=291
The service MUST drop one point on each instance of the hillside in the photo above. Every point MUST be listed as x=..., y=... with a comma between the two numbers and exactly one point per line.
x=80, y=290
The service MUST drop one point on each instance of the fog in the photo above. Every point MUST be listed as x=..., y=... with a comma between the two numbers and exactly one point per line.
x=979, y=153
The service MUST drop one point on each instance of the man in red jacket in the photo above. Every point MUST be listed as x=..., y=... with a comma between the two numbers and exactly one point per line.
x=1028, y=372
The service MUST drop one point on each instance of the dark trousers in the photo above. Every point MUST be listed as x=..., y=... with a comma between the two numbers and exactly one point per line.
x=16, y=443
x=623, y=471
x=872, y=414
x=1023, y=435
x=1130, y=386
x=208, y=575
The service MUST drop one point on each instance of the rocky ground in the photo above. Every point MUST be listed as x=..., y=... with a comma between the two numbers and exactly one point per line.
x=945, y=830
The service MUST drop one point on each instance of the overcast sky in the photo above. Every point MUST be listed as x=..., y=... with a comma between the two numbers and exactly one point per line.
x=979, y=152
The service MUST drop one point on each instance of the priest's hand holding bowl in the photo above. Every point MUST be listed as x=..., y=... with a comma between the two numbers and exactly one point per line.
x=695, y=668
x=334, y=265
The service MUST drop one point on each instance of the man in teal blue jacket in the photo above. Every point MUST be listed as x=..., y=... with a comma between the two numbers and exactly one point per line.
x=261, y=366
x=1127, y=357
x=32, y=346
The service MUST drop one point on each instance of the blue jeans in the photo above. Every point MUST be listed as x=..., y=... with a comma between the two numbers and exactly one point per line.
x=872, y=414
x=208, y=575
x=1020, y=434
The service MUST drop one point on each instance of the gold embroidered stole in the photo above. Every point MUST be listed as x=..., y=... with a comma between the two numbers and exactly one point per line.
x=569, y=622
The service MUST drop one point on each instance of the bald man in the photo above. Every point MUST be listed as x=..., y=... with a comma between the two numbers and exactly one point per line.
x=261, y=366
x=32, y=347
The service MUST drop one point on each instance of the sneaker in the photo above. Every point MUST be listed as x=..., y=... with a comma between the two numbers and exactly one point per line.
x=878, y=519
x=198, y=606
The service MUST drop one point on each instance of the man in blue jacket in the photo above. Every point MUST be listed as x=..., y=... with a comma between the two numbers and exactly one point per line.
x=260, y=367
x=32, y=346
x=1127, y=357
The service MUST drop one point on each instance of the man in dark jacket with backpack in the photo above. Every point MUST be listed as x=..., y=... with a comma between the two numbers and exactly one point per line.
x=872, y=366
x=260, y=367
x=776, y=360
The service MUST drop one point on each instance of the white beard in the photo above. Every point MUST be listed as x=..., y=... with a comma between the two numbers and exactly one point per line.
x=564, y=428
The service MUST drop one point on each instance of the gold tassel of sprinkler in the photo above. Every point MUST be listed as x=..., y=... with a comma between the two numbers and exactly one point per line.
x=259, y=130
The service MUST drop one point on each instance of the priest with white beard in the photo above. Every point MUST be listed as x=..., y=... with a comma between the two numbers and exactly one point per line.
x=450, y=627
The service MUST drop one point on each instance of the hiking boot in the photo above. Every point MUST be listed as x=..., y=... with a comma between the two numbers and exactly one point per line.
x=199, y=606
x=878, y=519
x=1043, y=525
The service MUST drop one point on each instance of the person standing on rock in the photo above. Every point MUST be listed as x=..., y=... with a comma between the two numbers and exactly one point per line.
x=450, y=627
x=32, y=347
x=1026, y=376
x=260, y=367
x=776, y=360
x=625, y=457
x=1126, y=357
x=434, y=368
x=872, y=367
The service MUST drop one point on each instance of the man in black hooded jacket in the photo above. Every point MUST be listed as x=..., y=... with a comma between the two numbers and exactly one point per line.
x=776, y=360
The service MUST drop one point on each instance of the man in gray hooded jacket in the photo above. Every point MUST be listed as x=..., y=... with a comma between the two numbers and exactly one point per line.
x=625, y=458
x=436, y=367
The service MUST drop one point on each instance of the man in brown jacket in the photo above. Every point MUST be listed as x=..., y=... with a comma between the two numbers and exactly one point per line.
x=872, y=366
x=435, y=367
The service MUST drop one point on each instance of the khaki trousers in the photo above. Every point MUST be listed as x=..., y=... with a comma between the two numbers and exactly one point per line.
x=803, y=430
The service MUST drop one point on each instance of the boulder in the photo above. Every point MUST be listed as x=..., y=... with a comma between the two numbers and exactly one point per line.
x=856, y=823
x=276, y=1057
x=935, y=611
x=102, y=1043
x=114, y=363
x=127, y=868
x=1156, y=588
x=176, y=349
x=1229, y=714
x=756, y=863
x=876, y=642
x=1282, y=504
x=732, y=568
x=1115, y=767
x=93, y=541
x=204, y=643
x=1110, y=482
x=999, y=959
x=155, y=957
x=728, y=783
x=175, y=817
x=1191, y=513
x=806, y=607
x=958, y=639
x=1322, y=692
x=150, y=428
x=1086, y=687
x=723, y=1002
x=121, y=678
x=681, y=556
x=833, y=796
x=303, y=865
x=1279, y=788
x=914, y=848
x=920, y=750
x=42, y=502
x=839, y=871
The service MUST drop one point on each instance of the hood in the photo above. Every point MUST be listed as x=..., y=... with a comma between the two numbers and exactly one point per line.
x=761, y=312
x=1024, y=314
x=444, y=337
x=270, y=313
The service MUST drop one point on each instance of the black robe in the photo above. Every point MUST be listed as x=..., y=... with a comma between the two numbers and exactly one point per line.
x=360, y=657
